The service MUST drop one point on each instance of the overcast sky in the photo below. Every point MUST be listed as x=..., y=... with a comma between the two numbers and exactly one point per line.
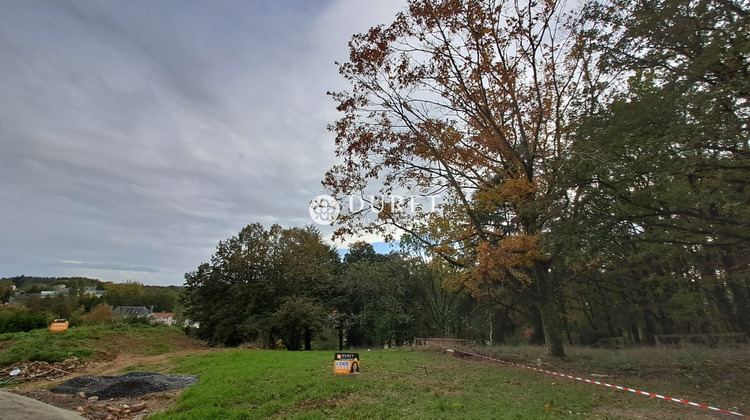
x=135, y=135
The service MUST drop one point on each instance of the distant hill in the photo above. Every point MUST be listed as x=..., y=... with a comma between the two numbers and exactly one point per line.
x=23, y=283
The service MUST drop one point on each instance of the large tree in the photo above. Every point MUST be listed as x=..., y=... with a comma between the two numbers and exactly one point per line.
x=244, y=293
x=469, y=100
x=376, y=298
x=661, y=173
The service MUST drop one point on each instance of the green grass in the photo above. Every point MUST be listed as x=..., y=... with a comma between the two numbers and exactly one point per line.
x=409, y=383
x=82, y=342
x=720, y=374
x=43, y=345
x=393, y=384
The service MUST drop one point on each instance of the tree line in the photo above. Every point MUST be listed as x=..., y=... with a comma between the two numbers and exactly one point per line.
x=593, y=163
x=592, y=157
x=287, y=287
x=77, y=301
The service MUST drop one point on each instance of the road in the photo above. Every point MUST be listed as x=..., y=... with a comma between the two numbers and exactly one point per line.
x=18, y=407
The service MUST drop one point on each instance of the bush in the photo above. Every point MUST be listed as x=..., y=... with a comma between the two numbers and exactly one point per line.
x=101, y=314
x=136, y=320
x=190, y=331
x=21, y=321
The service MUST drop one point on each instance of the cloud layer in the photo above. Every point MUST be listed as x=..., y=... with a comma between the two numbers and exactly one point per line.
x=136, y=135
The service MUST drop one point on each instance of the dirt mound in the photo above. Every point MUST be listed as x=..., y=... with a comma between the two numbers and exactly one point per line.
x=131, y=384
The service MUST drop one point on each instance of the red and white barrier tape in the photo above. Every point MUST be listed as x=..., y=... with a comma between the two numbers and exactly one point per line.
x=589, y=381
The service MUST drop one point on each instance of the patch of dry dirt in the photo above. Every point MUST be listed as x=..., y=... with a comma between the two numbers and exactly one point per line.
x=112, y=409
x=35, y=371
x=114, y=365
x=119, y=355
x=664, y=410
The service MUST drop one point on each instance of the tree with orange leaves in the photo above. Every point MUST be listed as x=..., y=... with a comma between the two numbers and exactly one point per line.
x=467, y=99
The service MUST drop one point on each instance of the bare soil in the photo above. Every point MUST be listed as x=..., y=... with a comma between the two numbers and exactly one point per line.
x=34, y=371
x=120, y=354
x=119, y=408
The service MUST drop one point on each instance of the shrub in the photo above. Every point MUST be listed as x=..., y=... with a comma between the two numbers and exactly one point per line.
x=21, y=321
x=100, y=314
x=136, y=320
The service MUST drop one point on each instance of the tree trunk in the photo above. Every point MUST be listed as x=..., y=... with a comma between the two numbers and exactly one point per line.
x=726, y=310
x=489, y=322
x=537, y=337
x=741, y=295
x=650, y=328
x=738, y=283
x=546, y=302
x=565, y=320
x=635, y=332
x=608, y=319
x=666, y=324
x=308, y=339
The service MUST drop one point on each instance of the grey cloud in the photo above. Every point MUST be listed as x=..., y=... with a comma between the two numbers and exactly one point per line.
x=136, y=135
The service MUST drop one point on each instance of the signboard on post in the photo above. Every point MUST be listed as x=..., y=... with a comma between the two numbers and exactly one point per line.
x=346, y=364
x=59, y=324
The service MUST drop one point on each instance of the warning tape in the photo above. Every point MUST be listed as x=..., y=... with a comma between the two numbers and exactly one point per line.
x=589, y=381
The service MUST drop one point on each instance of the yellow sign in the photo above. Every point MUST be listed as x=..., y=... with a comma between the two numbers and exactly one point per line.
x=59, y=325
x=346, y=364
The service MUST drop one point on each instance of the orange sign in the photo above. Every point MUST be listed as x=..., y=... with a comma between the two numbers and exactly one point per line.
x=59, y=324
x=346, y=364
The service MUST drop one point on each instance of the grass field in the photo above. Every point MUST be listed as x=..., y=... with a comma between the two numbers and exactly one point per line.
x=406, y=383
x=86, y=341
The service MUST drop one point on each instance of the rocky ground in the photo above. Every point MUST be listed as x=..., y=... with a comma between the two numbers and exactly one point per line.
x=37, y=379
x=94, y=408
x=131, y=384
x=35, y=371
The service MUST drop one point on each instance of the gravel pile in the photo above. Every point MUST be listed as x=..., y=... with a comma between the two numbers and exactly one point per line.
x=131, y=384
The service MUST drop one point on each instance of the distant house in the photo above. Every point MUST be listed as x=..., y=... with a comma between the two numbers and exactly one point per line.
x=166, y=318
x=91, y=291
x=60, y=289
x=133, y=311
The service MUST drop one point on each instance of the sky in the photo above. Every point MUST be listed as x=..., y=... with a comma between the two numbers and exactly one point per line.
x=134, y=136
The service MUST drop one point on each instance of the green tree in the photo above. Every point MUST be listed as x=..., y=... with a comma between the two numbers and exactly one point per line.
x=362, y=251
x=235, y=296
x=375, y=298
x=306, y=264
x=61, y=306
x=163, y=299
x=124, y=294
x=88, y=302
x=6, y=290
x=658, y=173
x=438, y=305
x=296, y=320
